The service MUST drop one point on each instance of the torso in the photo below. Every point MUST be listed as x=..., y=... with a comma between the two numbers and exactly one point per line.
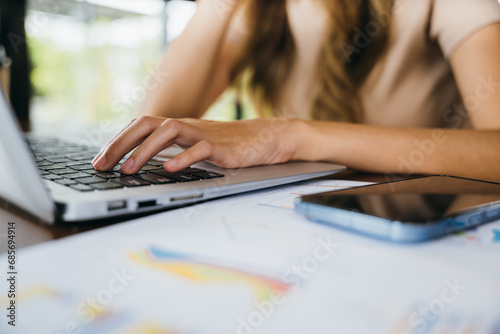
x=412, y=85
x=308, y=25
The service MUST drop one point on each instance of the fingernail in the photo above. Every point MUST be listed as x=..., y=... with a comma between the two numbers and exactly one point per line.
x=128, y=165
x=172, y=163
x=96, y=158
x=100, y=163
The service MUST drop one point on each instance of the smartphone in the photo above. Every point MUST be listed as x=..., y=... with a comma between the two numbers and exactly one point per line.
x=412, y=210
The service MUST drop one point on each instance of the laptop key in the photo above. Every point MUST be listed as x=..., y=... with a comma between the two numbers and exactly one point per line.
x=108, y=175
x=91, y=180
x=192, y=170
x=53, y=166
x=52, y=177
x=82, y=165
x=91, y=171
x=61, y=160
x=107, y=185
x=81, y=187
x=208, y=175
x=77, y=163
x=156, y=179
x=151, y=167
x=66, y=182
x=89, y=167
x=53, y=155
x=156, y=163
x=83, y=158
x=78, y=175
x=136, y=174
x=177, y=176
x=44, y=163
x=130, y=181
x=62, y=171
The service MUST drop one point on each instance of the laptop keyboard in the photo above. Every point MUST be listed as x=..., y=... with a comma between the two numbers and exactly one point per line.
x=69, y=164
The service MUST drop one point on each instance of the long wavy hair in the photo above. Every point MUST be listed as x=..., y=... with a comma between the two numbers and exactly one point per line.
x=344, y=62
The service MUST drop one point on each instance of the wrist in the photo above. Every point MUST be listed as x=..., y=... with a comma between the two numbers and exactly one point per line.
x=301, y=137
x=315, y=140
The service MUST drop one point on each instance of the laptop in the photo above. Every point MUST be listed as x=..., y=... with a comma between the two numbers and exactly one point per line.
x=53, y=180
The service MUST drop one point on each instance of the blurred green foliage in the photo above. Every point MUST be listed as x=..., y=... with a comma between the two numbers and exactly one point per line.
x=83, y=83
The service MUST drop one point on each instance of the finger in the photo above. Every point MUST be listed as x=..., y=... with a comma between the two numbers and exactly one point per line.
x=119, y=133
x=127, y=141
x=161, y=138
x=202, y=150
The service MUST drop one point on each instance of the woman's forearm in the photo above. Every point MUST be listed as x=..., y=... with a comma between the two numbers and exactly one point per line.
x=189, y=65
x=466, y=153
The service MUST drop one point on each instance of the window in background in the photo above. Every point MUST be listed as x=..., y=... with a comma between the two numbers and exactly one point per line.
x=90, y=59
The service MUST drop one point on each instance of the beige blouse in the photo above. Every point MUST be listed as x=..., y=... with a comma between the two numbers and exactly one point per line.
x=412, y=85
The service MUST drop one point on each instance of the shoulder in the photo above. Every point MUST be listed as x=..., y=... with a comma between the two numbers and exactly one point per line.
x=445, y=22
x=453, y=21
x=237, y=32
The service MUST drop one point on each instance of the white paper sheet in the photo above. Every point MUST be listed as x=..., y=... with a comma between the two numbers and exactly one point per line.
x=250, y=264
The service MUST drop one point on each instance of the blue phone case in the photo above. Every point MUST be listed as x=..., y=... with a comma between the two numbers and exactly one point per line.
x=396, y=231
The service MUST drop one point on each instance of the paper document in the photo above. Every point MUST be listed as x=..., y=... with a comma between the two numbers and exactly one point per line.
x=250, y=264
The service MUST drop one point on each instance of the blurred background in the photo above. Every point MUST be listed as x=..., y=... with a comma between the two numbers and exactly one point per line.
x=86, y=61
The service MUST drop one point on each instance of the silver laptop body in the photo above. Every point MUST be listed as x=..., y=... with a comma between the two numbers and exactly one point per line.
x=22, y=185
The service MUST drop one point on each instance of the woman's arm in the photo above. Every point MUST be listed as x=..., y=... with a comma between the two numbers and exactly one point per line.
x=468, y=153
x=195, y=68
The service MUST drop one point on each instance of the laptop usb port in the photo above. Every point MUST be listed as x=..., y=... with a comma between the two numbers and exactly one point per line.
x=117, y=205
x=186, y=197
x=146, y=204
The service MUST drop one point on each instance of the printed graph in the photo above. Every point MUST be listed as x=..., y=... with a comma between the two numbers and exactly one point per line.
x=487, y=234
x=38, y=298
x=201, y=271
x=118, y=324
x=496, y=235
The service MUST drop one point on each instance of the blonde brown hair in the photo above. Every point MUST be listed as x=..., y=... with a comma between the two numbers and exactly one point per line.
x=344, y=62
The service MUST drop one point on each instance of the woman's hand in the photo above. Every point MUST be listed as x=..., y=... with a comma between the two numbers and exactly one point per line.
x=225, y=144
